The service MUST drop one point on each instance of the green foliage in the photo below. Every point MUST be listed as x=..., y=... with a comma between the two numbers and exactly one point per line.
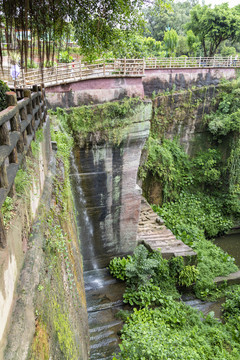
x=35, y=145
x=6, y=210
x=206, y=167
x=107, y=118
x=188, y=275
x=175, y=331
x=117, y=267
x=227, y=117
x=64, y=333
x=136, y=46
x=228, y=51
x=193, y=42
x=213, y=26
x=145, y=295
x=191, y=216
x=168, y=162
x=31, y=64
x=176, y=265
x=64, y=57
x=141, y=268
x=231, y=307
x=175, y=18
x=170, y=41
x=22, y=181
x=62, y=184
x=3, y=89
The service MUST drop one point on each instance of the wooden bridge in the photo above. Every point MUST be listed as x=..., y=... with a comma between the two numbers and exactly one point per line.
x=77, y=71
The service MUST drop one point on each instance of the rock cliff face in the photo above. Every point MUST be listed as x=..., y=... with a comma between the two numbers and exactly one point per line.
x=182, y=114
x=104, y=179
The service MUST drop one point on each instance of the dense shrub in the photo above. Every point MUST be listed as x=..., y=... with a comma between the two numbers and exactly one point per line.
x=3, y=89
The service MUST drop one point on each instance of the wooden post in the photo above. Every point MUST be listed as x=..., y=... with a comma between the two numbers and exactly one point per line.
x=124, y=66
x=185, y=65
x=27, y=93
x=80, y=63
x=3, y=176
x=4, y=135
x=13, y=157
x=12, y=101
x=3, y=241
x=170, y=61
x=200, y=59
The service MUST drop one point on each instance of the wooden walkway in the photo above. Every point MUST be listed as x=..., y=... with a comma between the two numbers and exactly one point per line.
x=158, y=237
x=78, y=71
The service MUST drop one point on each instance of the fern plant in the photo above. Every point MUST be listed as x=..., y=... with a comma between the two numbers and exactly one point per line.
x=142, y=268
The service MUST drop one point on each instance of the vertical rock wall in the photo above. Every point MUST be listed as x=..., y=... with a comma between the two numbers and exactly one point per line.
x=108, y=175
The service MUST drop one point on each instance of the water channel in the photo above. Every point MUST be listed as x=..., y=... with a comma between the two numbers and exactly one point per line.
x=103, y=293
x=231, y=245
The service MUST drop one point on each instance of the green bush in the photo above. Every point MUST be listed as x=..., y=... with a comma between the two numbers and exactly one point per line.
x=6, y=210
x=142, y=268
x=231, y=307
x=3, y=89
x=22, y=181
x=188, y=275
x=117, y=267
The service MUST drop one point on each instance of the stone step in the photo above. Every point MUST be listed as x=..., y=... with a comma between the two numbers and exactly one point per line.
x=157, y=236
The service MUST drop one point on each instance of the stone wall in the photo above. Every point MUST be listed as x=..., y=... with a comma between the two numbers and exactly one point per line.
x=93, y=91
x=45, y=315
x=101, y=90
x=165, y=79
x=12, y=257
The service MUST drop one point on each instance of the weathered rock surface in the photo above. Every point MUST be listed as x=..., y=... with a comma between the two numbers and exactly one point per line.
x=106, y=195
x=231, y=279
x=160, y=80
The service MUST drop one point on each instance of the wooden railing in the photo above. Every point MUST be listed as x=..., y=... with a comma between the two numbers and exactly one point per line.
x=26, y=111
x=76, y=71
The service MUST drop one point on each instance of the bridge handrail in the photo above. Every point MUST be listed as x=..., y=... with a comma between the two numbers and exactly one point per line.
x=188, y=62
x=18, y=124
x=76, y=71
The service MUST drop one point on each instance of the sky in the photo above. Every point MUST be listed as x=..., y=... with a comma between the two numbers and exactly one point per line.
x=218, y=2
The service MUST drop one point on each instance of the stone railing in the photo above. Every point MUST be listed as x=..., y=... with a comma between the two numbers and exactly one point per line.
x=26, y=111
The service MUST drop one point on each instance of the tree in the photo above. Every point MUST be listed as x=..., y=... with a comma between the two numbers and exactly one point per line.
x=175, y=17
x=213, y=26
x=193, y=42
x=96, y=23
x=170, y=40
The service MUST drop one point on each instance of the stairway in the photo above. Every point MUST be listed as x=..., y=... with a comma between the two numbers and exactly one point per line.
x=154, y=235
x=103, y=294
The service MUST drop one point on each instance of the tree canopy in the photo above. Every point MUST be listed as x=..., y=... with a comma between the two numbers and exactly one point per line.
x=96, y=23
x=213, y=26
